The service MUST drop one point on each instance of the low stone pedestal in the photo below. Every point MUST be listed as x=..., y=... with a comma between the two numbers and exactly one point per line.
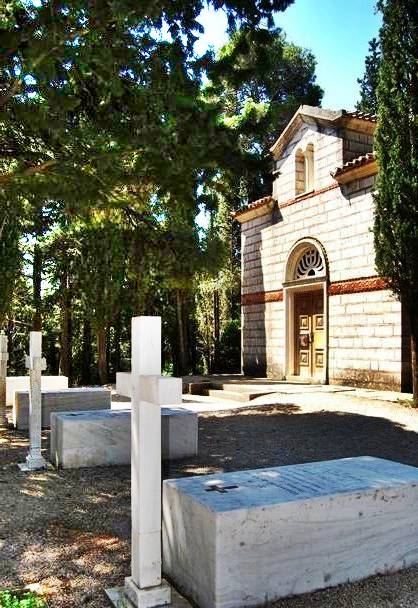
x=21, y=383
x=124, y=384
x=70, y=399
x=103, y=438
x=119, y=598
x=251, y=537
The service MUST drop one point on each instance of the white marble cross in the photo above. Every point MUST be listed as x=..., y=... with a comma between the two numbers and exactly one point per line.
x=145, y=587
x=4, y=357
x=36, y=364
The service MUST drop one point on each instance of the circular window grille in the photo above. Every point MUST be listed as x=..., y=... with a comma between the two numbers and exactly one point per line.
x=310, y=265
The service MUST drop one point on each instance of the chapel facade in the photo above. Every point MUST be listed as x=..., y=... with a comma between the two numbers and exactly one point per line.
x=313, y=307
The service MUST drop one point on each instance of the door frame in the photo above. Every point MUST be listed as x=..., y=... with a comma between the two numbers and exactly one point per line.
x=289, y=291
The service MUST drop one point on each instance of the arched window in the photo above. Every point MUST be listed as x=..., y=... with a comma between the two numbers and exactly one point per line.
x=300, y=172
x=304, y=170
x=310, y=264
x=309, y=168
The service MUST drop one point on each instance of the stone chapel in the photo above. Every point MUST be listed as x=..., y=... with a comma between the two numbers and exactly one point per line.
x=313, y=307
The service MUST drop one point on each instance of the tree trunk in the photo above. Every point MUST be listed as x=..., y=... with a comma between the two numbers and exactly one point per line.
x=65, y=364
x=37, y=287
x=87, y=353
x=183, y=352
x=102, y=355
x=216, y=330
x=414, y=354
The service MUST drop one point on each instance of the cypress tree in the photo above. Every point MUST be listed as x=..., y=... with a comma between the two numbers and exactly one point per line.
x=368, y=84
x=396, y=201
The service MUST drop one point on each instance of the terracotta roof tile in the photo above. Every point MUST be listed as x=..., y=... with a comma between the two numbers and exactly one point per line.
x=356, y=162
x=362, y=115
x=258, y=203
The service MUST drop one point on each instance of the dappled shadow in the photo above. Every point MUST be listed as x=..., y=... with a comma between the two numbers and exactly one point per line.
x=68, y=532
x=274, y=436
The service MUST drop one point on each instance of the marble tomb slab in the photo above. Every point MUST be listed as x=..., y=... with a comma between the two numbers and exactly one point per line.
x=123, y=384
x=21, y=383
x=247, y=538
x=103, y=438
x=65, y=400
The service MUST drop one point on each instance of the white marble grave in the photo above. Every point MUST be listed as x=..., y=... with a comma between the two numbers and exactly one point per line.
x=21, y=383
x=4, y=357
x=65, y=400
x=123, y=384
x=35, y=364
x=251, y=537
x=103, y=438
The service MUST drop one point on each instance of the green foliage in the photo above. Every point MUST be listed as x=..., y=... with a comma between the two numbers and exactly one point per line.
x=24, y=600
x=259, y=80
x=396, y=218
x=10, y=254
x=369, y=82
x=396, y=140
x=111, y=147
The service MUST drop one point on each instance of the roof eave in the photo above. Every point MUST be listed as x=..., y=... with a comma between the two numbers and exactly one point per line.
x=352, y=173
x=251, y=213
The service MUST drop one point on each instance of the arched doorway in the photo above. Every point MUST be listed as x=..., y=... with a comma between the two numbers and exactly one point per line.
x=305, y=297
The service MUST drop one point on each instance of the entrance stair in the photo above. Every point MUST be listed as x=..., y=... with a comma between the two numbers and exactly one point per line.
x=240, y=391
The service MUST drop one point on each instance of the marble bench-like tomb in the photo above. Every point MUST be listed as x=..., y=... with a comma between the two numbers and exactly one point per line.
x=124, y=384
x=65, y=400
x=21, y=383
x=103, y=438
x=251, y=537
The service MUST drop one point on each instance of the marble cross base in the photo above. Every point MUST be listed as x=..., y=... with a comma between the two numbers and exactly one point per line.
x=132, y=596
x=37, y=463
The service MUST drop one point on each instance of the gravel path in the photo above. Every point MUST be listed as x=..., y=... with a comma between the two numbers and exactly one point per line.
x=66, y=533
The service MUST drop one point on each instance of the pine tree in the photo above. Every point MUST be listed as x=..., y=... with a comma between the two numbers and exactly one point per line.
x=396, y=212
x=368, y=84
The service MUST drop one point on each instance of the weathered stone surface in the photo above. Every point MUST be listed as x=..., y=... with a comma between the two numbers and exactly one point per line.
x=277, y=532
x=21, y=383
x=70, y=399
x=103, y=438
x=4, y=357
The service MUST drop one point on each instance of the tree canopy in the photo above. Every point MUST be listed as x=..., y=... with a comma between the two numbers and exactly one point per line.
x=116, y=138
x=368, y=84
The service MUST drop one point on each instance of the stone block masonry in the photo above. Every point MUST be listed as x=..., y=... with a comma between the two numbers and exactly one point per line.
x=70, y=399
x=103, y=438
x=251, y=537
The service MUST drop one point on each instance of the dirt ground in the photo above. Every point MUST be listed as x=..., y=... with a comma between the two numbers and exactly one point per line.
x=67, y=533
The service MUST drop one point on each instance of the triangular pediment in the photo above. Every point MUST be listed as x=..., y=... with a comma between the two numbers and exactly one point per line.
x=358, y=121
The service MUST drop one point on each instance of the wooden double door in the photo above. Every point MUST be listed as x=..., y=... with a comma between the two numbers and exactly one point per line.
x=309, y=335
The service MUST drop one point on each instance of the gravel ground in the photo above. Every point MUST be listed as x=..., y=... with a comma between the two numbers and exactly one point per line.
x=66, y=533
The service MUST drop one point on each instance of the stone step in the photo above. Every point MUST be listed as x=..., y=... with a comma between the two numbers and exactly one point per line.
x=240, y=397
x=262, y=388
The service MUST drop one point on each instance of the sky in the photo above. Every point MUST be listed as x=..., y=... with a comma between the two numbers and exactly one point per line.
x=336, y=31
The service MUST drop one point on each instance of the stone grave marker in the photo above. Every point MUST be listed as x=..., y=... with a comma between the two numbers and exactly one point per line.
x=145, y=587
x=36, y=364
x=251, y=537
x=4, y=357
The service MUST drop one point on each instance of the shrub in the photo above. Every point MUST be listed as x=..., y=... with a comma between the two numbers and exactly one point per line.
x=28, y=599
